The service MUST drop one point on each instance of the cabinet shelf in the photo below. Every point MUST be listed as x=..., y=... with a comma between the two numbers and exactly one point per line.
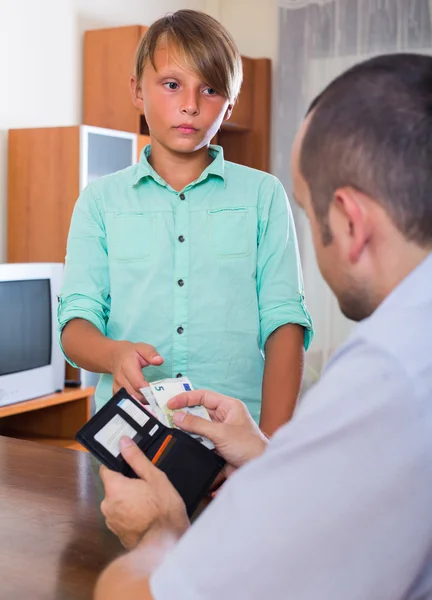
x=52, y=420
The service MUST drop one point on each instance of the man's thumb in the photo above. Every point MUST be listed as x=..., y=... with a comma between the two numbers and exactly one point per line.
x=197, y=425
x=135, y=458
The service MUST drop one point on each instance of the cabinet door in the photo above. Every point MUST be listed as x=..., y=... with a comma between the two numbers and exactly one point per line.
x=108, y=65
x=247, y=139
x=43, y=185
x=105, y=151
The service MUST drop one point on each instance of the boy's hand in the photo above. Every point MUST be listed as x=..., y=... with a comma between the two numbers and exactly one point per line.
x=129, y=359
x=237, y=438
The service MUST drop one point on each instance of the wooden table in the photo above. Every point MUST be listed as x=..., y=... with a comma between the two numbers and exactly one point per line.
x=53, y=539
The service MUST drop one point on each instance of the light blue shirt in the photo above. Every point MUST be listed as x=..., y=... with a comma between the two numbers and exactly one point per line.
x=340, y=505
x=205, y=275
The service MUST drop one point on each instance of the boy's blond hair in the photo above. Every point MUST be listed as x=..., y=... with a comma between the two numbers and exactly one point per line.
x=205, y=46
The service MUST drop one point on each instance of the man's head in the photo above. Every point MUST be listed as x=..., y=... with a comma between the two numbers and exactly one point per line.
x=188, y=71
x=362, y=169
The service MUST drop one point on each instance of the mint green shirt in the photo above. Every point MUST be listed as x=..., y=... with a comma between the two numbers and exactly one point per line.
x=205, y=275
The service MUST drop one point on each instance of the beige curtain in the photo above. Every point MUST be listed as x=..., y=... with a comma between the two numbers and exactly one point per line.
x=318, y=39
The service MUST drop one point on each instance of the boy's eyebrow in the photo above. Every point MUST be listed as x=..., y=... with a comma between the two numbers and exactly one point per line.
x=175, y=73
x=168, y=72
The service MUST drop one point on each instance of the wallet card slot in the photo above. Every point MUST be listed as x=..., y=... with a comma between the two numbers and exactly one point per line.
x=148, y=426
x=165, y=447
x=154, y=447
x=121, y=412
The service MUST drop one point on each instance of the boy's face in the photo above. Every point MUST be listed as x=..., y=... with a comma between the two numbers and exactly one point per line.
x=183, y=113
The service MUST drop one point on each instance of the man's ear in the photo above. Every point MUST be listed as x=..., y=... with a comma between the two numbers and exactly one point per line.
x=351, y=220
x=137, y=94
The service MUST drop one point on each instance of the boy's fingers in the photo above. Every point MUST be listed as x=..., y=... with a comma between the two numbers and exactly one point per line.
x=132, y=391
x=149, y=354
x=133, y=380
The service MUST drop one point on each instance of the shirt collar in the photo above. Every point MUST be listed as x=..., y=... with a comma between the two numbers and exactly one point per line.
x=144, y=169
x=414, y=289
x=411, y=292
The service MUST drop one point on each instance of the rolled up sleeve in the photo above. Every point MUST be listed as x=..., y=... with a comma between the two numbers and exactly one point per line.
x=85, y=291
x=279, y=273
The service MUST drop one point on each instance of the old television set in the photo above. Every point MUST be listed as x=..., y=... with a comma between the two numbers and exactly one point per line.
x=31, y=361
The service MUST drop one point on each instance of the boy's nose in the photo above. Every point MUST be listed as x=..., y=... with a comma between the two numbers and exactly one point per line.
x=190, y=109
x=190, y=104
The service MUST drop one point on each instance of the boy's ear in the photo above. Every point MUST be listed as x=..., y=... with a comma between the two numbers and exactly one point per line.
x=136, y=92
x=228, y=111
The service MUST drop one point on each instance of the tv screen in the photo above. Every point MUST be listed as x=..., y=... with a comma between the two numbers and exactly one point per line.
x=25, y=325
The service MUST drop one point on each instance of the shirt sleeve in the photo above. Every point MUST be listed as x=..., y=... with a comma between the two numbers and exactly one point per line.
x=85, y=291
x=335, y=508
x=279, y=274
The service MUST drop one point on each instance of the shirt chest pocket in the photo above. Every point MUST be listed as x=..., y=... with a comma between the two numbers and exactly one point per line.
x=132, y=236
x=229, y=231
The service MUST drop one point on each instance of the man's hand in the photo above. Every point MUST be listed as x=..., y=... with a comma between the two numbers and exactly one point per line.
x=234, y=433
x=136, y=507
x=129, y=359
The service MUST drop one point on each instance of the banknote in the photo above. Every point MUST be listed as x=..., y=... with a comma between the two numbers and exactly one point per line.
x=160, y=392
x=153, y=406
x=166, y=417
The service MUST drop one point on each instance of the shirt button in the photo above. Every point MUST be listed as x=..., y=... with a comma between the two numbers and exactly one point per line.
x=182, y=197
x=180, y=282
x=179, y=375
x=180, y=329
x=181, y=238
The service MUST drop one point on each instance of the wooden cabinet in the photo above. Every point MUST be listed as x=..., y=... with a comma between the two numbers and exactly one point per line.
x=245, y=138
x=241, y=118
x=47, y=169
x=52, y=420
x=108, y=65
x=43, y=185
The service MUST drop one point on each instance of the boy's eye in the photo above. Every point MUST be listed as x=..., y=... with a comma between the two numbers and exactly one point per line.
x=210, y=91
x=171, y=85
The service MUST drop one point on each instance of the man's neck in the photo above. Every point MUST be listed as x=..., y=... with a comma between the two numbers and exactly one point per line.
x=178, y=169
x=395, y=266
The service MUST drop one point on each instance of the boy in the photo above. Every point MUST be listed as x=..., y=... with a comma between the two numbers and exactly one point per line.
x=180, y=263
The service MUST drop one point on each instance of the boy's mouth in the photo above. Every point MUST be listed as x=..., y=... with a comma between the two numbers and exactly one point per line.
x=186, y=128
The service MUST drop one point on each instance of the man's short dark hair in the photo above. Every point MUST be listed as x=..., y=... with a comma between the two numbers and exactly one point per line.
x=371, y=129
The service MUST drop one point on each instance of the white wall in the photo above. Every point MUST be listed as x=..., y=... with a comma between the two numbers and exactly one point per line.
x=253, y=24
x=41, y=61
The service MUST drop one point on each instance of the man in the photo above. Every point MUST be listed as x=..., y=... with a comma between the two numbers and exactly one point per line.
x=339, y=504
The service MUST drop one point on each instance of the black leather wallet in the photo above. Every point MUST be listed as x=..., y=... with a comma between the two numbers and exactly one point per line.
x=190, y=466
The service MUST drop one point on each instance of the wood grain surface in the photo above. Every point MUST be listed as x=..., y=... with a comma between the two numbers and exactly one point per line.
x=54, y=542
